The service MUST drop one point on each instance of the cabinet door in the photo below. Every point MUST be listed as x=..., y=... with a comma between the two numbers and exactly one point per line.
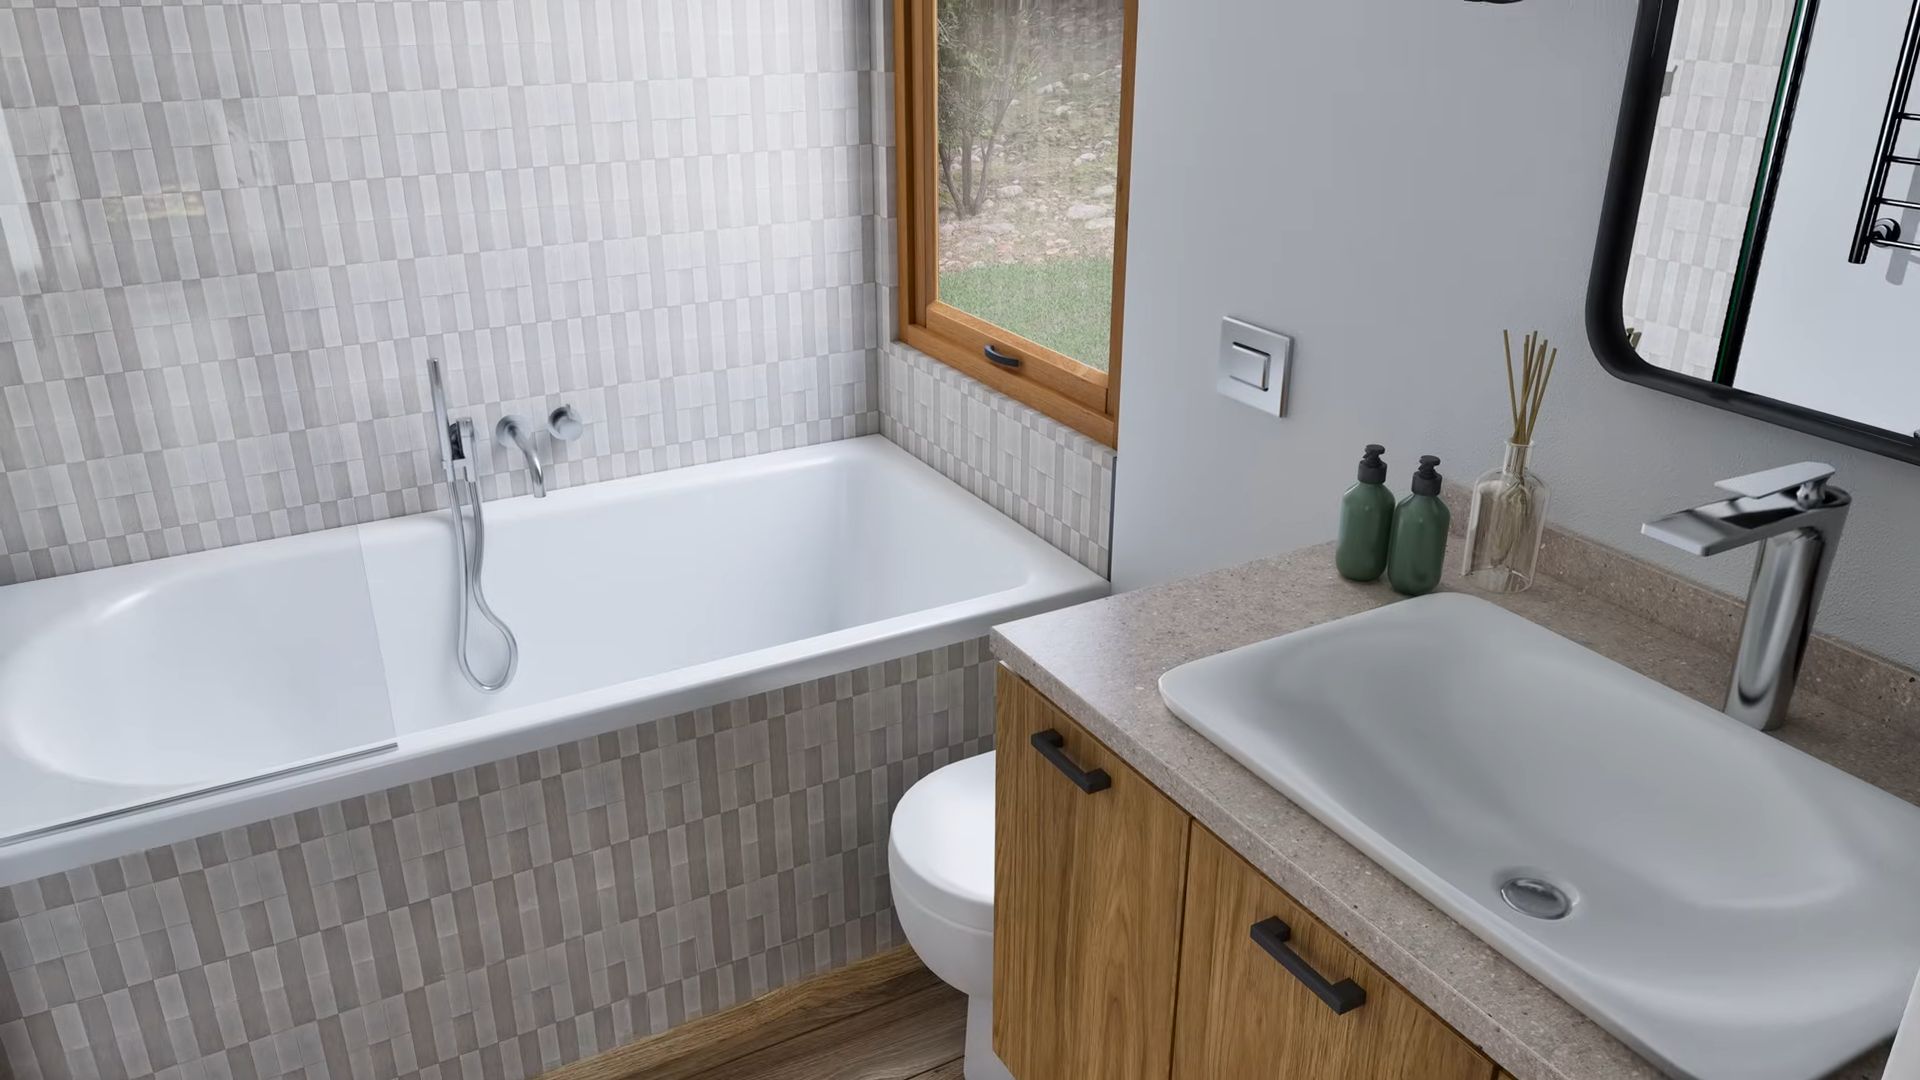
x=1089, y=868
x=1245, y=1014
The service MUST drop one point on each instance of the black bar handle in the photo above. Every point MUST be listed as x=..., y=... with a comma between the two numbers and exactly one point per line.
x=1342, y=997
x=994, y=354
x=1050, y=743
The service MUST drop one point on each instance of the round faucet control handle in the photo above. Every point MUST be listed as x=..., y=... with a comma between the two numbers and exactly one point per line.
x=565, y=424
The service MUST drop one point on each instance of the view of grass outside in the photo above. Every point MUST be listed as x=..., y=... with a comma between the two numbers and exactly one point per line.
x=1029, y=118
x=1064, y=304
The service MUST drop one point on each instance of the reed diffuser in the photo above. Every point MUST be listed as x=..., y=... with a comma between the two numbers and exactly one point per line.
x=1509, y=510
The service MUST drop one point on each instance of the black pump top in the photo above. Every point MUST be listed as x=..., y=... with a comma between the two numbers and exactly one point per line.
x=1372, y=469
x=1425, y=480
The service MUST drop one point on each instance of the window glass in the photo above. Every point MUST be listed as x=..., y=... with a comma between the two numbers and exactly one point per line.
x=1028, y=114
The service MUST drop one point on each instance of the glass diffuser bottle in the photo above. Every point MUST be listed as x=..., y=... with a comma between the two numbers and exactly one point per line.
x=1508, y=513
x=1505, y=522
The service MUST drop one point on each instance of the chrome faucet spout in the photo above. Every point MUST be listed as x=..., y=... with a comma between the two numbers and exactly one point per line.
x=511, y=432
x=1735, y=523
x=1796, y=519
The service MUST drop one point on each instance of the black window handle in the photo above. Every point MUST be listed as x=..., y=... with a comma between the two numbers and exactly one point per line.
x=1342, y=997
x=1050, y=744
x=994, y=354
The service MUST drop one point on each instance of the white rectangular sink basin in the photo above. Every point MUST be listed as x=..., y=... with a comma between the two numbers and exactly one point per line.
x=1738, y=909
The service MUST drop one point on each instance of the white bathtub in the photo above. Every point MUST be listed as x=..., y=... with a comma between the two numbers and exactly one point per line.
x=146, y=702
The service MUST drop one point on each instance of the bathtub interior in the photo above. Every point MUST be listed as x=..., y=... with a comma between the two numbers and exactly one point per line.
x=714, y=563
x=124, y=687
x=139, y=683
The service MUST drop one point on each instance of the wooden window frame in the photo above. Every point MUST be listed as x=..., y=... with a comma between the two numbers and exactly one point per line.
x=1076, y=395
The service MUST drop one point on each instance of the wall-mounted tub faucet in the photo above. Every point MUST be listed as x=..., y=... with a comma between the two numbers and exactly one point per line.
x=513, y=433
x=457, y=446
x=1796, y=518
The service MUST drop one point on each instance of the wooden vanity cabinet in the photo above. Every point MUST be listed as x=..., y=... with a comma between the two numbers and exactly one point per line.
x=1089, y=870
x=1244, y=1013
x=1114, y=912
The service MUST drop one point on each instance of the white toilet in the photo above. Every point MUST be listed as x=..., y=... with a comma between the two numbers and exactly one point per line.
x=940, y=855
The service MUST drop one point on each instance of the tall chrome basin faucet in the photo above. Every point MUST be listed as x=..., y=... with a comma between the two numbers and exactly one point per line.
x=1796, y=518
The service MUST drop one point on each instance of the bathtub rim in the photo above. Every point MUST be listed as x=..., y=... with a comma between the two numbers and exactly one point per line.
x=1053, y=580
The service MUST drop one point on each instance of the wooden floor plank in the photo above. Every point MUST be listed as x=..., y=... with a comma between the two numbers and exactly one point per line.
x=703, y=1047
x=952, y=1070
x=902, y=1039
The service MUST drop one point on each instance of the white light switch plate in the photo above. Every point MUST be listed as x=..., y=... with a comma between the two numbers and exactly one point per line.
x=1254, y=364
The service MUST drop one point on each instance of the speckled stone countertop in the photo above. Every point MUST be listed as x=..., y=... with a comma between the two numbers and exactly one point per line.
x=1101, y=662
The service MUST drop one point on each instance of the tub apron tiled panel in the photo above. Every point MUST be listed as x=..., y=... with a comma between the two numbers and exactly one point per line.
x=502, y=920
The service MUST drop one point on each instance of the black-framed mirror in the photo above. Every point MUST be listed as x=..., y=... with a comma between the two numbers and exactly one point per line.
x=1759, y=249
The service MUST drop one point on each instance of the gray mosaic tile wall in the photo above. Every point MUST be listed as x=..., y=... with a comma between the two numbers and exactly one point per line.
x=503, y=920
x=236, y=229
x=1039, y=472
x=1724, y=73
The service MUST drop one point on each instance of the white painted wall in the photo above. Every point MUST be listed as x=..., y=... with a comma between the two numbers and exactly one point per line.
x=1825, y=333
x=1393, y=182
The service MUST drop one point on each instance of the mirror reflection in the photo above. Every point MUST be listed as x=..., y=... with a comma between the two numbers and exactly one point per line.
x=1775, y=250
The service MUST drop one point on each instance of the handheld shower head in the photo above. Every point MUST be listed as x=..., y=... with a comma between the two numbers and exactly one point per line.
x=456, y=438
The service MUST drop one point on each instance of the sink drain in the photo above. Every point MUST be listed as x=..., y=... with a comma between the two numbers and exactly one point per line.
x=1536, y=898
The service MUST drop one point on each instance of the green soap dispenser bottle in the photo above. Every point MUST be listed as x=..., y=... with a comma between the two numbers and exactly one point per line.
x=1366, y=521
x=1419, y=547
